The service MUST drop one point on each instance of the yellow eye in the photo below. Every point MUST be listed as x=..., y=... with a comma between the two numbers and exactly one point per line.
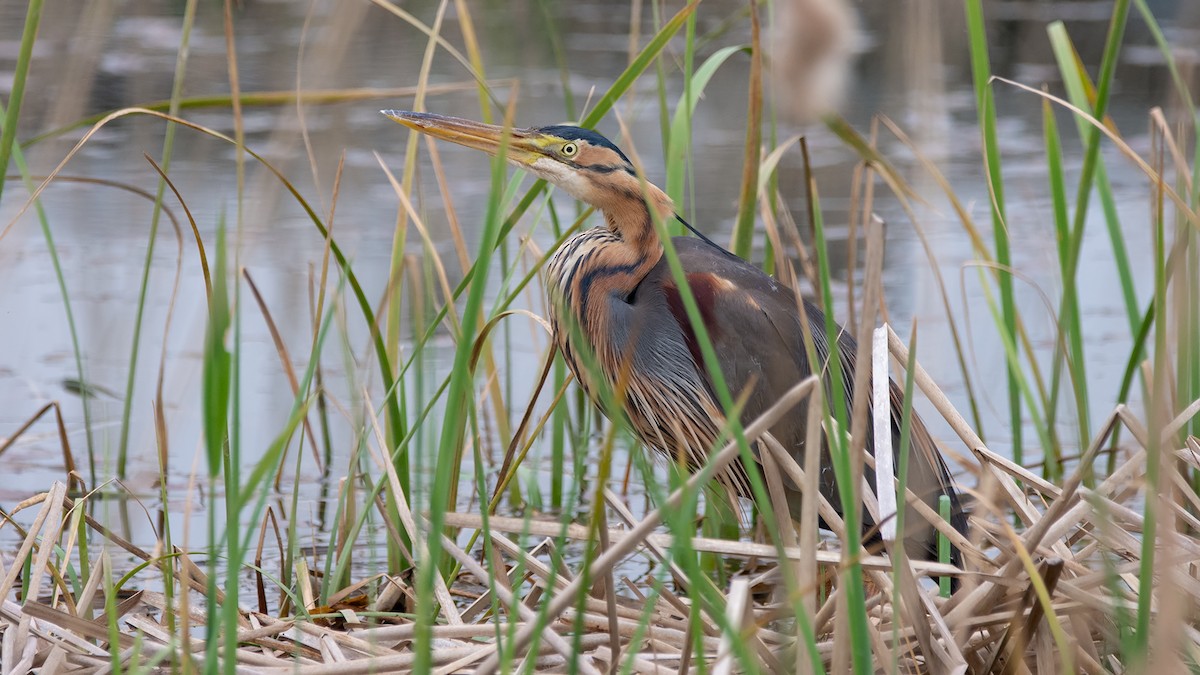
x=569, y=150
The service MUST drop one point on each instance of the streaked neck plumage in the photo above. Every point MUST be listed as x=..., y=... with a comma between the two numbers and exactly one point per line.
x=604, y=262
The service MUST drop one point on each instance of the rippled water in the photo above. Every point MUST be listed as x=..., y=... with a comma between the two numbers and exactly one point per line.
x=104, y=55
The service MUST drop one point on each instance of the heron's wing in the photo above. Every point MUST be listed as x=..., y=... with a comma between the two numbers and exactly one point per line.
x=755, y=327
x=752, y=322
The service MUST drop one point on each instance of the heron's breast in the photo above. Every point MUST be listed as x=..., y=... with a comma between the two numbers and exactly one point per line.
x=645, y=360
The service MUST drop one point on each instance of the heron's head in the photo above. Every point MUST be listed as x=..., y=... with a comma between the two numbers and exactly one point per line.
x=580, y=161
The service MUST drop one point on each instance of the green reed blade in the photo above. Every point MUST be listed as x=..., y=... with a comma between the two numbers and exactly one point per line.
x=217, y=379
x=986, y=106
x=743, y=230
x=189, y=16
x=1058, y=199
x=8, y=137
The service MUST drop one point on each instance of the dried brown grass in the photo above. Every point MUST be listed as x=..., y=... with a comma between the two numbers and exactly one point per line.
x=1050, y=568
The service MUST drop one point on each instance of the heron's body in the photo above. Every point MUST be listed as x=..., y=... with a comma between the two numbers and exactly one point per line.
x=666, y=396
x=669, y=397
x=617, y=314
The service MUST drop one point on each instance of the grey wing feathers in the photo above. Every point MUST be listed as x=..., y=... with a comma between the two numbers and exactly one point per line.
x=765, y=353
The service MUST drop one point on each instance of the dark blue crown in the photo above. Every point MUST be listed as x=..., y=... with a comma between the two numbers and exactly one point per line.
x=571, y=133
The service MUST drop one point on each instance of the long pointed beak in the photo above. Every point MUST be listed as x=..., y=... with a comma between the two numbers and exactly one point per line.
x=521, y=145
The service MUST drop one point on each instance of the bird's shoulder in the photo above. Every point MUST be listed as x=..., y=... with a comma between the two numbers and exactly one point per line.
x=745, y=311
x=741, y=290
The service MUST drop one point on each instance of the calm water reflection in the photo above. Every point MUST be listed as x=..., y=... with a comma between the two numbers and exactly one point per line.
x=102, y=55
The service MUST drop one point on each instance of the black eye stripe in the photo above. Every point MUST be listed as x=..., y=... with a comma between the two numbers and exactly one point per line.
x=611, y=168
x=603, y=168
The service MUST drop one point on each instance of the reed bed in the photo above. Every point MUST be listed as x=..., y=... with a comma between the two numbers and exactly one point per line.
x=440, y=555
x=1050, y=585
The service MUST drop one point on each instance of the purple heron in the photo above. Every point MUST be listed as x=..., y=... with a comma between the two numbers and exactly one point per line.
x=611, y=288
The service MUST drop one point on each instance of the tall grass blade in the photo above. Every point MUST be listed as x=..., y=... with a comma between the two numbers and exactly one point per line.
x=76, y=346
x=1082, y=93
x=458, y=402
x=680, y=138
x=985, y=104
x=743, y=232
x=189, y=17
x=1069, y=310
x=839, y=414
x=1156, y=408
x=1058, y=200
x=217, y=383
x=8, y=137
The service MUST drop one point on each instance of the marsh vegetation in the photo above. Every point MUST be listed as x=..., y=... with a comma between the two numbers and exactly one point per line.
x=278, y=393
